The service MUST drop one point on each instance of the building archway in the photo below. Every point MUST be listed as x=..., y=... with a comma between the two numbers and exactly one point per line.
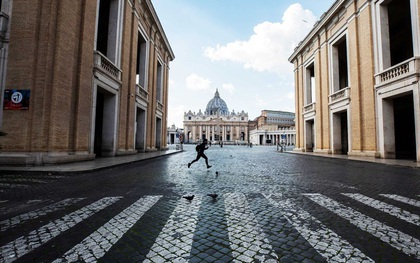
x=404, y=127
x=309, y=135
x=140, y=130
x=398, y=127
x=105, y=123
x=340, y=134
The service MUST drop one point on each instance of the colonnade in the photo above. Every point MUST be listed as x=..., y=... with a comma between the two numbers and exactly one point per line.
x=225, y=133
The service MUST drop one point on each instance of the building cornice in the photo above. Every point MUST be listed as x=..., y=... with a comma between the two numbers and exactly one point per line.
x=159, y=27
x=318, y=27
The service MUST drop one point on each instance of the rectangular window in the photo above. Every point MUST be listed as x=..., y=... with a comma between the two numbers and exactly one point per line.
x=397, y=36
x=141, y=67
x=159, y=82
x=340, y=64
x=310, y=84
x=108, y=30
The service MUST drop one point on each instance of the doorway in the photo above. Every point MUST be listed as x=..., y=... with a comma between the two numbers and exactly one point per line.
x=158, y=143
x=140, y=130
x=310, y=135
x=340, y=133
x=344, y=133
x=104, y=140
x=404, y=127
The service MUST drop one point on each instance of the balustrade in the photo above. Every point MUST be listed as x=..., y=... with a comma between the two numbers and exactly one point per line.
x=142, y=93
x=106, y=66
x=309, y=107
x=340, y=95
x=398, y=71
x=159, y=106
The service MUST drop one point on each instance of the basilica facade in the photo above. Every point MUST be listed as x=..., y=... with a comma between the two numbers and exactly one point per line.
x=216, y=124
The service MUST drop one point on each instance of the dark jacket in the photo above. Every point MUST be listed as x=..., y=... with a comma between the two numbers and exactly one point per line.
x=201, y=147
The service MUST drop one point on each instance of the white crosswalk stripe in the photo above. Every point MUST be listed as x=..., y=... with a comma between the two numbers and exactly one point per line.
x=330, y=245
x=20, y=219
x=403, y=199
x=97, y=244
x=399, y=240
x=387, y=208
x=23, y=245
x=244, y=230
x=246, y=236
x=177, y=235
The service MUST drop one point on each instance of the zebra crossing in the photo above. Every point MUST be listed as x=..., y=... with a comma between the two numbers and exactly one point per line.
x=390, y=235
x=322, y=239
x=181, y=237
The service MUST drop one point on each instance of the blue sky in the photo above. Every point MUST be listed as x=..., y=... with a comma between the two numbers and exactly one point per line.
x=240, y=47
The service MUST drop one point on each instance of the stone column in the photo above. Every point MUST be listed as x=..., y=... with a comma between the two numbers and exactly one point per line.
x=224, y=133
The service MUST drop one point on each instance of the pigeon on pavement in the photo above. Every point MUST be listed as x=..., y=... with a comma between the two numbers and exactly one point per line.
x=189, y=197
x=213, y=196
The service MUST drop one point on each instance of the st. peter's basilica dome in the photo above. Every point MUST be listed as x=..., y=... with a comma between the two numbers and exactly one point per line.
x=216, y=104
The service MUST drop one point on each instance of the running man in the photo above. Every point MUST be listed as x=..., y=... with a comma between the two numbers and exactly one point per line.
x=200, y=153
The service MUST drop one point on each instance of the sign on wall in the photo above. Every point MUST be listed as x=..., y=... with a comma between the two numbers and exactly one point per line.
x=16, y=99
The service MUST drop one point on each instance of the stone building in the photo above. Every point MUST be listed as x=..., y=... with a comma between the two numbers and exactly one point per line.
x=274, y=127
x=81, y=79
x=5, y=15
x=276, y=118
x=216, y=124
x=357, y=80
x=174, y=135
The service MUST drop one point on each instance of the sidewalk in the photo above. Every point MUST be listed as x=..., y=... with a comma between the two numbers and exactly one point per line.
x=88, y=166
x=393, y=162
x=106, y=162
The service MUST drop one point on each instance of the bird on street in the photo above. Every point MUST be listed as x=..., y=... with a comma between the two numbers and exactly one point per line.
x=189, y=197
x=213, y=196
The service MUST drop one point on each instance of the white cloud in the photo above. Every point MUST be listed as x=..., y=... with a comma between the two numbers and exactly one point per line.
x=229, y=88
x=176, y=114
x=269, y=48
x=260, y=102
x=195, y=82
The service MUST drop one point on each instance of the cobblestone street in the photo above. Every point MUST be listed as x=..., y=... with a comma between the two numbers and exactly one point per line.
x=270, y=207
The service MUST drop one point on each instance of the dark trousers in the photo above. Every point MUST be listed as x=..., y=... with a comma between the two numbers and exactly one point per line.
x=199, y=155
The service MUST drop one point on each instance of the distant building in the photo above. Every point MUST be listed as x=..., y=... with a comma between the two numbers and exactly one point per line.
x=357, y=81
x=80, y=79
x=175, y=135
x=273, y=127
x=216, y=124
x=279, y=118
